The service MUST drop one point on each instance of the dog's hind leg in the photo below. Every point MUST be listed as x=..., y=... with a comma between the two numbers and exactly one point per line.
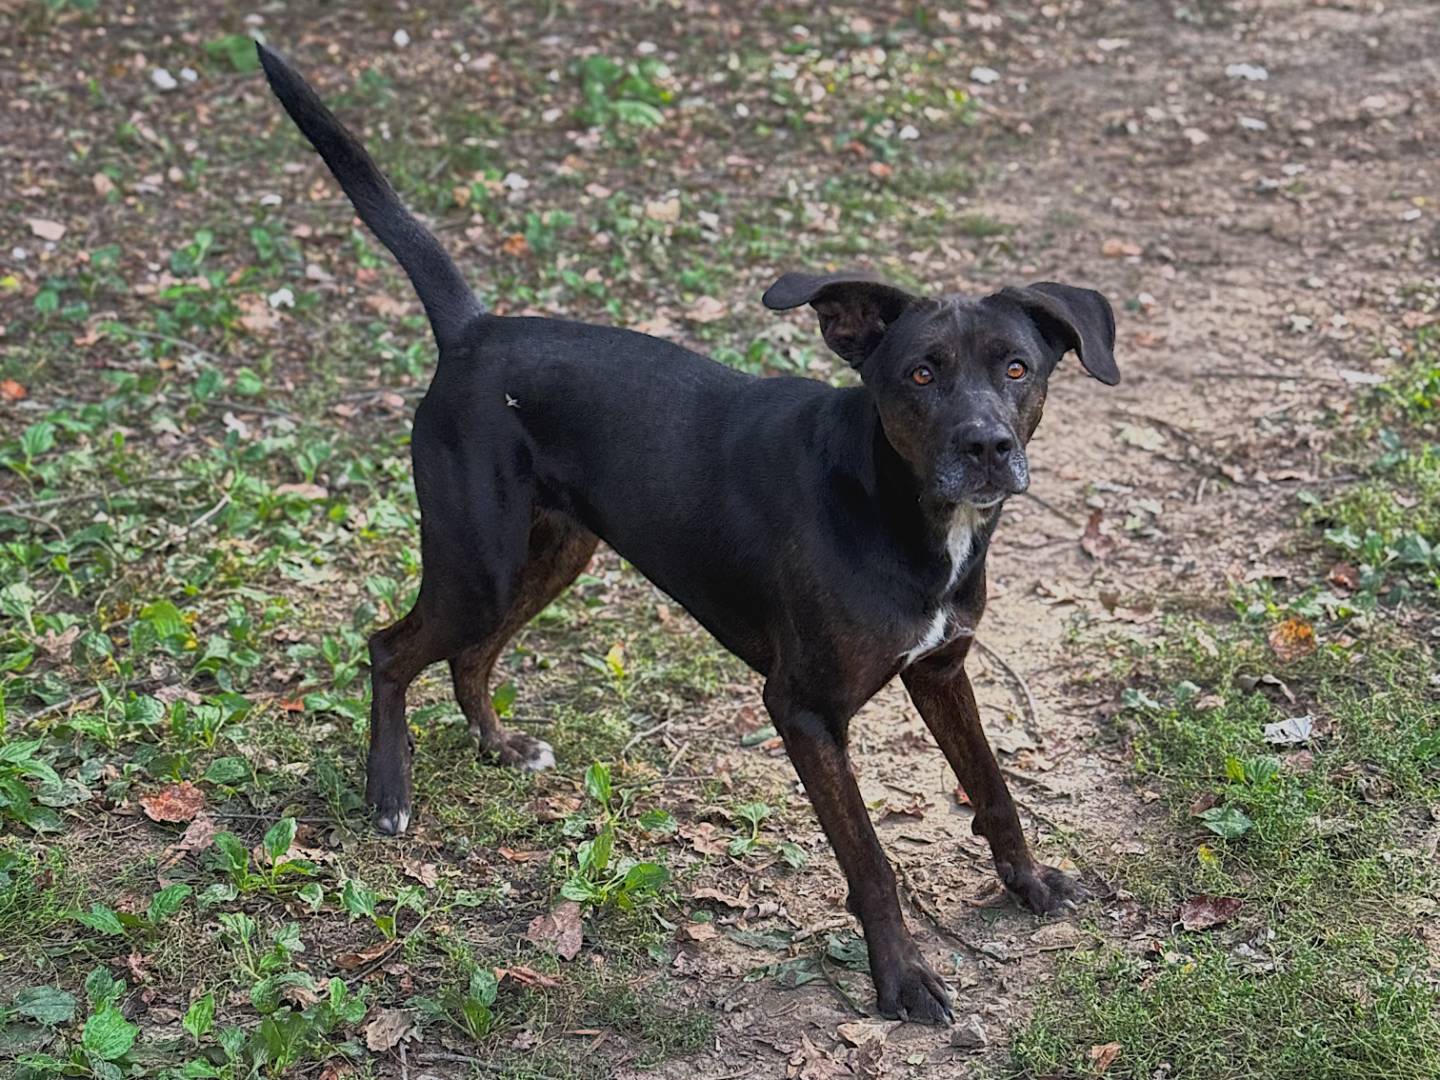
x=559, y=549
x=398, y=653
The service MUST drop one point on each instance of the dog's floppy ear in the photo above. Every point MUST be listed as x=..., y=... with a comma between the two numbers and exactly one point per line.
x=854, y=307
x=1072, y=318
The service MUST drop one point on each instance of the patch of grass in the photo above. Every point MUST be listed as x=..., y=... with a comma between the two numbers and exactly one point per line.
x=1313, y=847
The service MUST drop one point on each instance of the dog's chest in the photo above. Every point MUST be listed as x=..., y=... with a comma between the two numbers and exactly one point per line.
x=940, y=625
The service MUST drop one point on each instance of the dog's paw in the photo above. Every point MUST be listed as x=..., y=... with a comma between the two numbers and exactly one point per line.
x=1043, y=889
x=520, y=751
x=392, y=822
x=907, y=989
x=387, y=790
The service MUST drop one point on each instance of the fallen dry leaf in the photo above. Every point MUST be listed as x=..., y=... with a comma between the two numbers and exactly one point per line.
x=1104, y=1055
x=527, y=976
x=1291, y=640
x=1118, y=249
x=178, y=802
x=515, y=244
x=706, y=309
x=198, y=835
x=705, y=838
x=427, y=873
x=509, y=854
x=389, y=1029
x=1202, y=912
x=352, y=960
x=1093, y=541
x=560, y=930
x=10, y=390
x=860, y=1032
x=740, y=902
x=1341, y=575
x=45, y=229
x=701, y=931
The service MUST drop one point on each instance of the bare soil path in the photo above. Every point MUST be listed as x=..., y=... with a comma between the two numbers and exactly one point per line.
x=1253, y=231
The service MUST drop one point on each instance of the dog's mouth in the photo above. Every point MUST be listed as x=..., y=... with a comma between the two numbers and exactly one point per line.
x=980, y=492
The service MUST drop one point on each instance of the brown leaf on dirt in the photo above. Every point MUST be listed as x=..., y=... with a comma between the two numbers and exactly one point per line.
x=1204, y=802
x=740, y=902
x=701, y=931
x=515, y=244
x=389, y=1029
x=314, y=492
x=812, y=1063
x=1344, y=576
x=705, y=838
x=10, y=390
x=860, y=1032
x=527, y=976
x=178, y=802
x=1115, y=248
x=554, y=807
x=302, y=997
x=137, y=965
x=385, y=305
x=1291, y=640
x=510, y=854
x=1093, y=542
x=427, y=873
x=351, y=960
x=913, y=807
x=706, y=309
x=198, y=835
x=256, y=316
x=1202, y=912
x=1103, y=1056
x=560, y=930
x=45, y=229
x=1250, y=683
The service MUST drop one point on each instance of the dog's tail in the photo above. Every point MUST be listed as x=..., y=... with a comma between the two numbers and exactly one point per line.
x=449, y=302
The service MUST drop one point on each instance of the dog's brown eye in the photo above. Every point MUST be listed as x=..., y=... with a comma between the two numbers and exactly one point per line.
x=922, y=376
x=1016, y=370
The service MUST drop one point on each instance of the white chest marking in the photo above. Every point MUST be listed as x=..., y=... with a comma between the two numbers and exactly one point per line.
x=959, y=541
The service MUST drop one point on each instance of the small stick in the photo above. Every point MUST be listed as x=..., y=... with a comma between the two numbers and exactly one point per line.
x=177, y=342
x=641, y=736
x=62, y=500
x=37, y=520
x=1061, y=514
x=1033, y=725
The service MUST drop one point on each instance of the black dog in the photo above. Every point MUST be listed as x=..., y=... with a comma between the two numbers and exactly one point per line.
x=829, y=538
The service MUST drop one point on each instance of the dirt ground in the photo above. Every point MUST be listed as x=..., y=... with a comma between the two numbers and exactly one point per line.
x=1252, y=183
x=1255, y=269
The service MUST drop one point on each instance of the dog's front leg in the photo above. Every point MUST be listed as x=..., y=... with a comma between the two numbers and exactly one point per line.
x=941, y=691
x=904, y=984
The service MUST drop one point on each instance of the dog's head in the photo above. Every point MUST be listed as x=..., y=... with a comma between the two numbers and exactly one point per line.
x=959, y=383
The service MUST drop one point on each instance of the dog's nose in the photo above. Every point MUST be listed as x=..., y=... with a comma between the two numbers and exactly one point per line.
x=988, y=443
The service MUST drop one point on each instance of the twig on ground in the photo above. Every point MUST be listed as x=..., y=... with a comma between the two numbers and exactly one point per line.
x=82, y=698
x=641, y=736
x=35, y=519
x=179, y=343
x=203, y=518
x=245, y=406
x=84, y=496
x=932, y=915
x=1032, y=724
x=397, y=944
x=1048, y=505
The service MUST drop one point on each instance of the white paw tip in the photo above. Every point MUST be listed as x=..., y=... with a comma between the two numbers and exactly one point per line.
x=542, y=758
